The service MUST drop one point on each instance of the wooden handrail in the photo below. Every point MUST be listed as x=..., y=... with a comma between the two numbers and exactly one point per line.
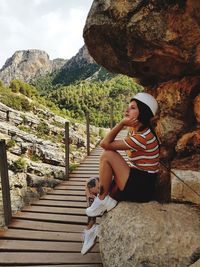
x=66, y=151
x=5, y=183
x=88, y=132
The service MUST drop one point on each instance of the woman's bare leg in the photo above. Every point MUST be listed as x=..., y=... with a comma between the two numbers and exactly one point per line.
x=112, y=165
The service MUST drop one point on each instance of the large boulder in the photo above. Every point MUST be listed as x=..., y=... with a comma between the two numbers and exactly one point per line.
x=179, y=190
x=154, y=40
x=150, y=235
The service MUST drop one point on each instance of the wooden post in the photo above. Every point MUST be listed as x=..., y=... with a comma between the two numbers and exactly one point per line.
x=111, y=115
x=88, y=132
x=7, y=115
x=5, y=183
x=66, y=150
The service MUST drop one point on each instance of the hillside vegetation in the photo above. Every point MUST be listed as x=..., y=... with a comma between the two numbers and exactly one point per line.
x=73, y=101
x=97, y=98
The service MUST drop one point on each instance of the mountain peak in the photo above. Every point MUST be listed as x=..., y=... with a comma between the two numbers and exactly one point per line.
x=27, y=64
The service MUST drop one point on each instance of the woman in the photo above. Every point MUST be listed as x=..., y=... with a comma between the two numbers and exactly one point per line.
x=119, y=180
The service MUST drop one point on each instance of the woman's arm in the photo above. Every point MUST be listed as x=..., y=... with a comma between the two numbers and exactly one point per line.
x=109, y=142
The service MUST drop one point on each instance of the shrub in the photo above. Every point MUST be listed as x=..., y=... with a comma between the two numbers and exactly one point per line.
x=15, y=86
x=72, y=167
x=26, y=105
x=1, y=83
x=20, y=165
x=35, y=158
x=43, y=128
x=10, y=143
x=102, y=133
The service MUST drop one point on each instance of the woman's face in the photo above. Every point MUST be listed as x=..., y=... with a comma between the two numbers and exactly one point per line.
x=132, y=110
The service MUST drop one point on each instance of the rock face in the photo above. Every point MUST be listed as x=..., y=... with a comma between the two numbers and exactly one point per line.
x=181, y=192
x=153, y=40
x=157, y=42
x=150, y=234
x=79, y=67
x=27, y=64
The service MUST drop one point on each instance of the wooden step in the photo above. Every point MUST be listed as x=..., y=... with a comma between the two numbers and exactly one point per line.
x=68, y=265
x=45, y=226
x=16, y=258
x=51, y=218
x=70, y=187
x=64, y=198
x=40, y=235
x=58, y=203
x=42, y=246
x=67, y=192
x=55, y=210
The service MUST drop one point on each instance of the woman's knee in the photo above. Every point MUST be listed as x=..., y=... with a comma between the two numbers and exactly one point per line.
x=107, y=155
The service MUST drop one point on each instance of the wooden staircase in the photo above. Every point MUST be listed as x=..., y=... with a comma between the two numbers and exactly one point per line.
x=49, y=232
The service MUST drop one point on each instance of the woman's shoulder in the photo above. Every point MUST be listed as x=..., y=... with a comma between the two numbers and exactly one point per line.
x=143, y=133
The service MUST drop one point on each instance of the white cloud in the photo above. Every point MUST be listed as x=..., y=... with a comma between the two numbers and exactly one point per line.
x=53, y=26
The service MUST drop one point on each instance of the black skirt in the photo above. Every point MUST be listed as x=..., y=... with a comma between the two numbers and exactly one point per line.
x=140, y=187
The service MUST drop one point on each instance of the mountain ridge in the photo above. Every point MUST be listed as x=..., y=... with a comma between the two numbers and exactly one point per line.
x=27, y=64
x=33, y=64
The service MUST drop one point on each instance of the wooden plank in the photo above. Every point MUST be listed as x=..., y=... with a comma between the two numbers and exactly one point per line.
x=70, y=187
x=68, y=265
x=83, y=167
x=82, y=183
x=64, y=198
x=83, y=175
x=79, y=179
x=92, y=159
x=86, y=171
x=47, y=258
x=58, y=203
x=46, y=226
x=66, y=192
x=54, y=210
x=51, y=218
x=42, y=246
x=93, y=163
x=40, y=235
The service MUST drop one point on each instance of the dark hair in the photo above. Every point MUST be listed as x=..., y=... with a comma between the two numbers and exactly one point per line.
x=145, y=116
x=145, y=113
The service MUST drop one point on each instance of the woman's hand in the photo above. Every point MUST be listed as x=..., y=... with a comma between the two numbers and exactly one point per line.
x=130, y=122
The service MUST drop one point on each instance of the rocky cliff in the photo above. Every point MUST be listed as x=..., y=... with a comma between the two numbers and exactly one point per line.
x=28, y=64
x=157, y=42
x=34, y=66
x=154, y=40
x=80, y=67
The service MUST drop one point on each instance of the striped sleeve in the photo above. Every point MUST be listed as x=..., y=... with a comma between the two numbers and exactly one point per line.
x=136, y=142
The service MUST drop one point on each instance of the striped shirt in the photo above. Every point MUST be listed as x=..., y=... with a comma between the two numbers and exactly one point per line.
x=144, y=150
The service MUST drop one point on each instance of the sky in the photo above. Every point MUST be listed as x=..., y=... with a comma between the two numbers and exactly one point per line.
x=54, y=26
